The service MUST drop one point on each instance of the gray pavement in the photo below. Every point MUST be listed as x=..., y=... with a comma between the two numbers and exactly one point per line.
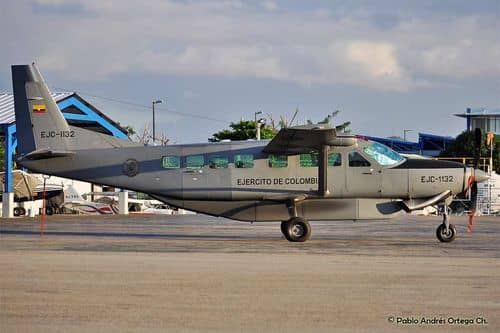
x=196, y=273
x=406, y=235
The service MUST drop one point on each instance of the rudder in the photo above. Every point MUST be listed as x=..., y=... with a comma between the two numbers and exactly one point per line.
x=40, y=124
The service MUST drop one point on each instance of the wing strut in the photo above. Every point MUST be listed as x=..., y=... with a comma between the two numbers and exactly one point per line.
x=323, y=171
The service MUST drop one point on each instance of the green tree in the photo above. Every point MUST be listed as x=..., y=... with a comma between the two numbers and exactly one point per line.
x=243, y=130
x=463, y=146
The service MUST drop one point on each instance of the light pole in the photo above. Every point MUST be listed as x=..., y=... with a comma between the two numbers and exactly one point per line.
x=260, y=122
x=256, y=126
x=404, y=133
x=159, y=101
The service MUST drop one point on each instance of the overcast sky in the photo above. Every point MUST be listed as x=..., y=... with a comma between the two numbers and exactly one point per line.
x=387, y=65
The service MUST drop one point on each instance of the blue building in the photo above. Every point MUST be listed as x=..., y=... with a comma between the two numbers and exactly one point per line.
x=77, y=111
x=427, y=145
x=486, y=120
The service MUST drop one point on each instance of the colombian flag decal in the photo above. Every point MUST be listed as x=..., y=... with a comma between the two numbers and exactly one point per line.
x=39, y=108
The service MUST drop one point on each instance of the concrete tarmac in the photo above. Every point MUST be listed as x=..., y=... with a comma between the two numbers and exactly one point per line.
x=196, y=274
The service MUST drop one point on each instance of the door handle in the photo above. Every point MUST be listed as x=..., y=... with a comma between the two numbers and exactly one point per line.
x=368, y=173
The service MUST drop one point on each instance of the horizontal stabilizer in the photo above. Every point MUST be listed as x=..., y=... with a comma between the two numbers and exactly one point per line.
x=41, y=154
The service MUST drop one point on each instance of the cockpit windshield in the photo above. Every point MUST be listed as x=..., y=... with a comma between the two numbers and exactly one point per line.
x=384, y=155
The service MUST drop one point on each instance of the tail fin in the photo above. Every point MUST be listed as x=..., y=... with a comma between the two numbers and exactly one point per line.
x=71, y=194
x=40, y=125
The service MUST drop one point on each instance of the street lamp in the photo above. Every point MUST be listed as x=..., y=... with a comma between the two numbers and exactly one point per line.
x=159, y=101
x=260, y=122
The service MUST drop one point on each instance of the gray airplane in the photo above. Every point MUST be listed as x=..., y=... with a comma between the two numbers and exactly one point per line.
x=304, y=173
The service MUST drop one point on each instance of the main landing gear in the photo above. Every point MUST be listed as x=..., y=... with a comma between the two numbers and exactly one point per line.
x=446, y=232
x=295, y=229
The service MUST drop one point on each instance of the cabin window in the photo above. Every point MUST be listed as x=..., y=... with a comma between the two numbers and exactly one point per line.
x=356, y=160
x=312, y=160
x=243, y=161
x=334, y=159
x=218, y=162
x=308, y=160
x=278, y=161
x=171, y=162
x=195, y=161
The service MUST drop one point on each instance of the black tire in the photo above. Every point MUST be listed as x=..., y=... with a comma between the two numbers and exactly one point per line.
x=296, y=229
x=17, y=211
x=444, y=236
x=22, y=211
x=284, y=227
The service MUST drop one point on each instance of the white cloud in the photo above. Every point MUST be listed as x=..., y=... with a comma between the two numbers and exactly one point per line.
x=270, y=6
x=227, y=38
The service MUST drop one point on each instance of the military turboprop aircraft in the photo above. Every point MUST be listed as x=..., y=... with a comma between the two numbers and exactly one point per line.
x=305, y=172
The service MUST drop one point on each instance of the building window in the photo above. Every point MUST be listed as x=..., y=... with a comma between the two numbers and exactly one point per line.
x=356, y=160
x=171, y=162
x=244, y=161
x=334, y=159
x=308, y=160
x=278, y=161
x=195, y=161
x=218, y=162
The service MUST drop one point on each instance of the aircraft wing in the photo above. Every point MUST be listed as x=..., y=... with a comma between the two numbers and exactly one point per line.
x=304, y=139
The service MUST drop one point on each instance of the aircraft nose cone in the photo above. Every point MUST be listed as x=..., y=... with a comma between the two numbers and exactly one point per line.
x=480, y=175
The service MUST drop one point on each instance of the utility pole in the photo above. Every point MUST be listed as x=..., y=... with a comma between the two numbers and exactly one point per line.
x=159, y=101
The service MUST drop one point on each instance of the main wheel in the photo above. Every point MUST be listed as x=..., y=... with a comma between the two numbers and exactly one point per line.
x=17, y=211
x=284, y=226
x=296, y=229
x=446, y=236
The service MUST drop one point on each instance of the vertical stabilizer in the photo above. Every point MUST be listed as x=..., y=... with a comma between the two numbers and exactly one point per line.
x=40, y=124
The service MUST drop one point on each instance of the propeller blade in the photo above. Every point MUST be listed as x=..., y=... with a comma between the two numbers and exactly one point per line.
x=473, y=202
x=470, y=181
x=477, y=147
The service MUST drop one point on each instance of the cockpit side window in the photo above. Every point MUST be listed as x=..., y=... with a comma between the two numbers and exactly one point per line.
x=356, y=160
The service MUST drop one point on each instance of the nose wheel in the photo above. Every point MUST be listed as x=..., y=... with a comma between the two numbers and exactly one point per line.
x=446, y=232
x=444, y=235
x=296, y=229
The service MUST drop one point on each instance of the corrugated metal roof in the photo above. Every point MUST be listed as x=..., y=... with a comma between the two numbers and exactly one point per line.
x=479, y=112
x=7, y=115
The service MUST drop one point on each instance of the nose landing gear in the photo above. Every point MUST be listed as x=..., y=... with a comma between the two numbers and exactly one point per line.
x=446, y=232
